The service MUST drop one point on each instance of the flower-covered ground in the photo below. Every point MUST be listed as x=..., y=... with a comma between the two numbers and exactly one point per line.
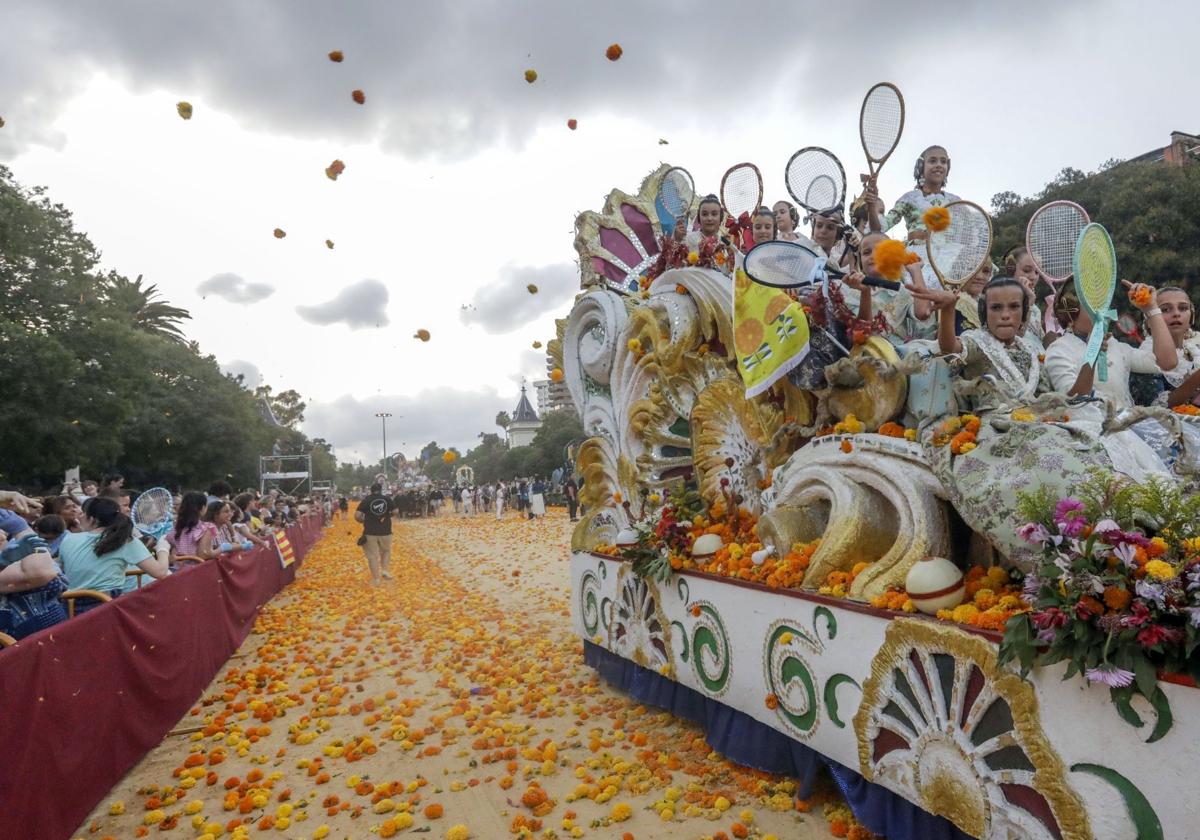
x=452, y=702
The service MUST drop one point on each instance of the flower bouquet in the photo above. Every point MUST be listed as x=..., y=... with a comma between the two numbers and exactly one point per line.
x=1116, y=593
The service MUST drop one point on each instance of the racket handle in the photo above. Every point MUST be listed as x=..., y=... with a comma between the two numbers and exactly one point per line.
x=880, y=283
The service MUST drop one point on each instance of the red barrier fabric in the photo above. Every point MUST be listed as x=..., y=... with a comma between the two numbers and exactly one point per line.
x=82, y=702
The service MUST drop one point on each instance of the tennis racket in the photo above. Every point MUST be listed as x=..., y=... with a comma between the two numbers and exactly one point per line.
x=1050, y=238
x=1095, y=268
x=957, y=252
x=676, y=192
x=741, y=195
x=788, y=265
x=880, y=124
x=153, y=512
x=815, y=180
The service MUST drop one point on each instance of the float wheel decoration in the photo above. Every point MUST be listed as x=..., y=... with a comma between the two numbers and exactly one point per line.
x=943, y=725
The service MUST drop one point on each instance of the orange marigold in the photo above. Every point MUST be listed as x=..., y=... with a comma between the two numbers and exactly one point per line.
x=1117, y=598
x=847, y=446
x=936, y=219
x=890, y=429
x=890, y=258
x=358, y=96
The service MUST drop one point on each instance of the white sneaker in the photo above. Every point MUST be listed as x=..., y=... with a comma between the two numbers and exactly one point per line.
x=387, y=576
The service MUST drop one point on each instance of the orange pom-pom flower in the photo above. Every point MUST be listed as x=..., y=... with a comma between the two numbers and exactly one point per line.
x=613, y=52
x=936, y=219
x=336, y=56
x=572, y=124
x=358, y=96
x=531, y=76
x=334, y=170
x=890, y=258
x=421, y=334
x=1140, y=295
x=449, y=457
x=556, y=375
x=280, y=233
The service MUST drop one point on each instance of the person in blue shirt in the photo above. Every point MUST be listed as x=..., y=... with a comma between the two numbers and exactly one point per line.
x=96, y=558
x=30, y=582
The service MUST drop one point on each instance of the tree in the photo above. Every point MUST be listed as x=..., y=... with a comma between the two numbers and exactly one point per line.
x=130, y=300
x=1147, y=208
x=1002, y=202
x=286, y=406
x=503, y=420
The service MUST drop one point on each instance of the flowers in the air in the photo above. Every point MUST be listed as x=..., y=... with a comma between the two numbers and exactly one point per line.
x=279, y=233
x=336, y=56
x=358, y=96
x=531, y=75
x=449, y=456
x=613, y=52
x=184, y=109
x=333, y=170
x=1141, y=295
x=421, y=334
x=890, y=258
x=572, y=124
x=556, y=375
x=936, y=219
x=329, y=244
x=532, y=288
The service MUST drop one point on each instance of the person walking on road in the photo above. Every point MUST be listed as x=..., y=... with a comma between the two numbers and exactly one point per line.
x=375, y=514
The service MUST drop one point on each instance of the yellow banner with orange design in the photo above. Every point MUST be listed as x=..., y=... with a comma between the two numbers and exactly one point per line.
x=770, y=333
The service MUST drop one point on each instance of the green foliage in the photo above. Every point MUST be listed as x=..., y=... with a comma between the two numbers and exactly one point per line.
x=492, y=460
x=97, y=371
x=1148, y=208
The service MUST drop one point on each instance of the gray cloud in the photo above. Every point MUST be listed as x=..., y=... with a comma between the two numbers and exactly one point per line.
x=235, y=289
x=361, y=304
x=447, y=415
x=506, y=304
x=251, y=376
x=444, y=80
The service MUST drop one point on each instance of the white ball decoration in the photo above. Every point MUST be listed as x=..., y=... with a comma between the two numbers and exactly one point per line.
x=627, y=538
x=706, y=545
x=935, y=583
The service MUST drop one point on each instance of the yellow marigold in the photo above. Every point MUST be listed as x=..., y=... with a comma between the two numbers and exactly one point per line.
x=964, y=613
x=458, y=832
x=1022, y=415
x=621, y=812
x=910, y=434
x=634, y=345
x=693, y=258
x=1160, y=569
x=1192, y=546
x=1158, y=547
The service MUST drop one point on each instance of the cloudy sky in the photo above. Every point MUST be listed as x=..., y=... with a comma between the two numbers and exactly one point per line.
x=462, y=181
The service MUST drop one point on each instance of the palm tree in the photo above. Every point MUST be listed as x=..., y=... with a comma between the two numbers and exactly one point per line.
x=144, y=307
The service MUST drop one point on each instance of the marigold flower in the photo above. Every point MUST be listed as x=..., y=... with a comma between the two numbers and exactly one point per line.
x=184, y=109
x=890, y=429
x=621, y=812
x=1160, y=569
x=532, y=289
x=329, y=244
x=772, y=702
x=531, y=76
x=936, y=219
x=890, y=258
x=556, y=375
x=613, y=52
x=449, y=457
x=1116, y=597
x=336, y=56
x=847, y=446
x=279, y=233
x=572, y=124
x=1140, y=295
x=358, y=96
x=421, y=334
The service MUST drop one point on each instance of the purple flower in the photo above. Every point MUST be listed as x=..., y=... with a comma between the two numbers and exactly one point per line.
x=1032, y=585
x=1110, y=675
x=1046, y=637
x=1149, y=591
x=1072, y=526
x=1125, y=553
x=1193, y=614
x=1192, y=573
x=1067, y=507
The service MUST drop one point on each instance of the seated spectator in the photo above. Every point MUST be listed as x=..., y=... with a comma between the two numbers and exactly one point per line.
x=90, y=489
x=245, y=532
x=111, y=484
x=67, y=508
x=219, y=490
x=97, y=557
x=192, y=537
x=219, y=514
x=30, y=584
x=51, y=528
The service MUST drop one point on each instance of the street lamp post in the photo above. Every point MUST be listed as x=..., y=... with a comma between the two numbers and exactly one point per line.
x=383, y=416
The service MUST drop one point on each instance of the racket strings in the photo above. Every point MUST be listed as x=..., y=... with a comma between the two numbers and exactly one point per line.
x=1051, y=239
x=741, y=191
x=780, y=264
x=677, y=192
x=815, y=180
x=959, y=250
x=1096, y=270
x=882, y=116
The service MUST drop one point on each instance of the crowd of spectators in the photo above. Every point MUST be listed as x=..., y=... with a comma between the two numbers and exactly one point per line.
x=82, y=543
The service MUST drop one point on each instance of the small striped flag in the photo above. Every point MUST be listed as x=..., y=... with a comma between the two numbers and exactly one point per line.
x=287, y=555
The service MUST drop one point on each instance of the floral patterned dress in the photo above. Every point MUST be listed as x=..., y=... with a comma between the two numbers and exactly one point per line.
x=1010, y=457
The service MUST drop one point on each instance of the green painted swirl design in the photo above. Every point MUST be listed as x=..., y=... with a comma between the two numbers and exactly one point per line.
x=710, y=635
x=589, y=607
x=785, y=666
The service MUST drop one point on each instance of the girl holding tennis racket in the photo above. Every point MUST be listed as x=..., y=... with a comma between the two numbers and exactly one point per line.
x=1064, y=358
x=932, y=170
x=908, y=318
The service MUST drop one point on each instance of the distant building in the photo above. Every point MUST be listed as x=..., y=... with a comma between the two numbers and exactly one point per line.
x=524, y=424
x=1184, y=150
x=542, y=389
x=558, y=395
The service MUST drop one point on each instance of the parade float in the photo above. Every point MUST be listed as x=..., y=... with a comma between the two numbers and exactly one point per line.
x=790, y=570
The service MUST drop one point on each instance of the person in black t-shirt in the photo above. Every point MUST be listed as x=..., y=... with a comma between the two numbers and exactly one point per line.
x=375, y=514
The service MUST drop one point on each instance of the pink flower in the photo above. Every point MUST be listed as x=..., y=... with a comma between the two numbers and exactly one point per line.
x=1153, y=634
x=1034, y=532
x=1110, y=675
x=1139, y=614
x=1069, y=516
x=1049, y=618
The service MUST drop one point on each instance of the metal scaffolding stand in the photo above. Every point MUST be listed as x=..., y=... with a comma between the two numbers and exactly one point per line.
x=291, y=475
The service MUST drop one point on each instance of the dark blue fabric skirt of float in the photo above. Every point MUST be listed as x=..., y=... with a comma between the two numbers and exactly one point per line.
x=749, y=742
